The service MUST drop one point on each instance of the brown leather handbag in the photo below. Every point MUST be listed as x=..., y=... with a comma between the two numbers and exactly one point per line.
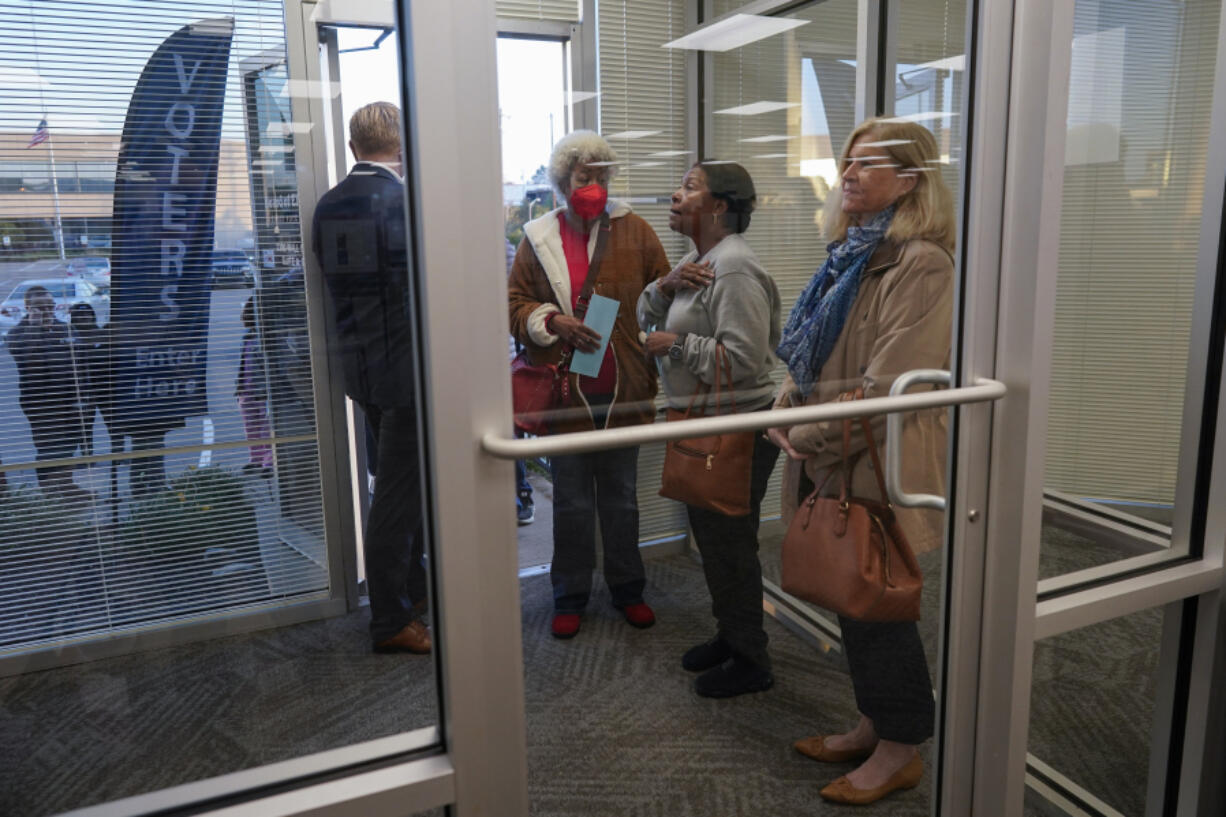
x=848, y=554
x=710, y=472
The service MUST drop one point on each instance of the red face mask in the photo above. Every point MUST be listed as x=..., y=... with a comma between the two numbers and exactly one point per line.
x=587, y=202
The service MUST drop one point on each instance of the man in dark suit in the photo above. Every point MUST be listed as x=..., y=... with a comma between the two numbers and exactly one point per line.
x=49, y=391
x=359, y=240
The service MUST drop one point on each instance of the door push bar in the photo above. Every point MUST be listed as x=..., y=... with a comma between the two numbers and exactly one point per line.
x=579, y=442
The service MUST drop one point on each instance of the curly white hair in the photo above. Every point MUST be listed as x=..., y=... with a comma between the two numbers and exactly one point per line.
x=576, y=148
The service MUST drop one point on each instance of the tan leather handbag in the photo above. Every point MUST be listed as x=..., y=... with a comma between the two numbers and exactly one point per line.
x=710, y=472
x=848, y=554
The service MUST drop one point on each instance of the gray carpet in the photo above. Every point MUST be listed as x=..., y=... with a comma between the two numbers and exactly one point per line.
x=118, y=727
x=616, y=730
x=614, y=727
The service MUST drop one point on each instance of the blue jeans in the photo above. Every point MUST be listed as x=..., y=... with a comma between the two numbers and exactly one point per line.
x=587, y=486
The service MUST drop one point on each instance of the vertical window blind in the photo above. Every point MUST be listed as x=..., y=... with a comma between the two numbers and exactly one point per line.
x=1138, y=127
x=151, y=269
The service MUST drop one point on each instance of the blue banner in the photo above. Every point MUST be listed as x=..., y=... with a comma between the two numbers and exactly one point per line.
x=162, y=230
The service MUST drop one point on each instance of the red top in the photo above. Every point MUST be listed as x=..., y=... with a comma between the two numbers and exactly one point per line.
x=574, y=247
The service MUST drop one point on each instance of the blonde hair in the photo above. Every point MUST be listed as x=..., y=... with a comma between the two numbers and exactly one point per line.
x=375, y=129
x=927, y=210
x=580, y=147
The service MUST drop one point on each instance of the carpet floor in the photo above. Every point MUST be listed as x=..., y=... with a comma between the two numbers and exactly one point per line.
x=614, y=726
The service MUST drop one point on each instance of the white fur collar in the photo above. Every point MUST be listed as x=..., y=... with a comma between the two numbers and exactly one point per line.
x=545, y=236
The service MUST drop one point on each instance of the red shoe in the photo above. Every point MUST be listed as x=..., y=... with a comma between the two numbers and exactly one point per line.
x=639, y=615
x=565, y=625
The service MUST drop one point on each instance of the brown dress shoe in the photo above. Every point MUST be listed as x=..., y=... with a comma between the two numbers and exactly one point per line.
x=414, y=638
x=816, y=748
x=908, y=777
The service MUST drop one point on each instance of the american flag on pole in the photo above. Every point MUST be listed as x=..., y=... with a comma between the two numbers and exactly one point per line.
x=41, y=134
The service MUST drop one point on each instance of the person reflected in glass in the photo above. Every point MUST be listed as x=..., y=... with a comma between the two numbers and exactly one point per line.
x=881, y=304
x=48, y=393
x=547, y=277
x=720, y=295
x=359, y=240
x=89, y=357
x=251, y=391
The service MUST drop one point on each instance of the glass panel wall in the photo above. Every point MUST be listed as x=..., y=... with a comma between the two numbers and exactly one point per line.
x=1138, y=131
x=1093, y=701
x=179, y=588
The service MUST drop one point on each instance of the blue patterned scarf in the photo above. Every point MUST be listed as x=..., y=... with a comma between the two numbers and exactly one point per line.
x=821, y=310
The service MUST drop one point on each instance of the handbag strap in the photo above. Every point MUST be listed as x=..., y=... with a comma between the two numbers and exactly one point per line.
x=593, y=267
x=867, y=428
x=589, y=284
x=723, y=366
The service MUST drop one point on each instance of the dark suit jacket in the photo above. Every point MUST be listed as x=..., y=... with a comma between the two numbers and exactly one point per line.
x=359, y=241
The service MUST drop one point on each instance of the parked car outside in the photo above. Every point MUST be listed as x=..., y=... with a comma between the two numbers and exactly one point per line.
x=93, y=268
x=65, y=291
x=232, y=268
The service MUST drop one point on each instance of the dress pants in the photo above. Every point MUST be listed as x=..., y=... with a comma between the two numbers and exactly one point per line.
x=395, y=529
x=890, y=676
x=729, y=548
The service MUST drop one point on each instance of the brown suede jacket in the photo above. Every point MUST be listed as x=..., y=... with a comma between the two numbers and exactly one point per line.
x=539, y=285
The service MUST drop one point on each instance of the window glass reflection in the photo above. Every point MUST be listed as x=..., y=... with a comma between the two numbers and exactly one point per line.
x=176, y=605
x=1136, y=143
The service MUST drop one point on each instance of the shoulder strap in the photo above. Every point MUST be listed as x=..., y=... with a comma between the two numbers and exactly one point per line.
x=872, y=450
x=867, y=428
x=593, y=267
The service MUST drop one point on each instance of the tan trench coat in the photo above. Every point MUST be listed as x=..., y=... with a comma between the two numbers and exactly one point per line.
x=901, y=320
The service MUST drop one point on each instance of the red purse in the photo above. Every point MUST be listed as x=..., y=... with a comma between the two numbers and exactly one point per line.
x=538, y=391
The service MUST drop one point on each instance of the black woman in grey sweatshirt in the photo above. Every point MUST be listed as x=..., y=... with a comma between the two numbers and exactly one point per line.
x=720, y=295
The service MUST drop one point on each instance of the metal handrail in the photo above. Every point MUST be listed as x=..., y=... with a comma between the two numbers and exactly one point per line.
x=579, y=442
x=893, y=437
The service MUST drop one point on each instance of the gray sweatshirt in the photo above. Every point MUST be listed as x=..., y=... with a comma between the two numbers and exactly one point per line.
x=740, y=309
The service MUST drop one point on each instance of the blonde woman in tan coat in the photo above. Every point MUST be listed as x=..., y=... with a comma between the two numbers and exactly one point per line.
x=880, y=305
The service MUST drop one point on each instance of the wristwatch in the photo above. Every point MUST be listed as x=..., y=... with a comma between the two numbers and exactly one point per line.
x=678, y=348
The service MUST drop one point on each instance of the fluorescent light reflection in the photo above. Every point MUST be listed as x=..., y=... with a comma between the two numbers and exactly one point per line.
x=770, y=156
x=633, y=134
x=924, y=116
x=734, y=32
x=666, y=153
x=755, y=108
x=773, y=138
x=885, y=143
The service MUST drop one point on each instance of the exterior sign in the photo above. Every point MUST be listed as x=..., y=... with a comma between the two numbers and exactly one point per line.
x=165, y=196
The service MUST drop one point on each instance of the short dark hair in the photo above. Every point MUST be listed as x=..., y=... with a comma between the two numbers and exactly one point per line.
x=35, y=292
x=82, y=312
x=732, y=184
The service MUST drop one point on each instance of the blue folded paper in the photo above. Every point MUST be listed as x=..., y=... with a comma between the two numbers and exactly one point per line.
x=601, y=315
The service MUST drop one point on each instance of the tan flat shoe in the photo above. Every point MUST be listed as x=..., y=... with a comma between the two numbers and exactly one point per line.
x=816, y=748
x=908, y=777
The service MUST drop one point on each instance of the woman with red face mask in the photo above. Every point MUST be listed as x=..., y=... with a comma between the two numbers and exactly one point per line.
x=592, y=244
